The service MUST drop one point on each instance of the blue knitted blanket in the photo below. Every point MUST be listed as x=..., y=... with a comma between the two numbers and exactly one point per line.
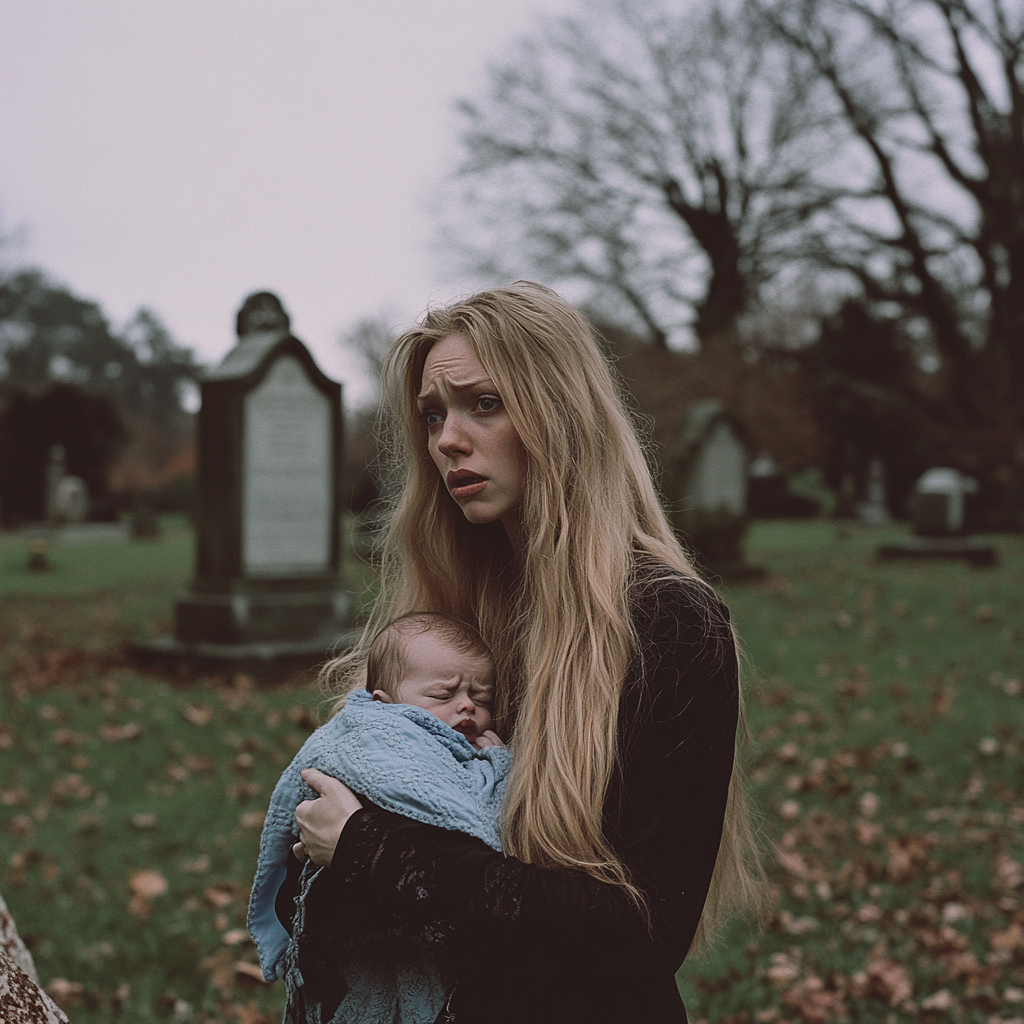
x=402, y=759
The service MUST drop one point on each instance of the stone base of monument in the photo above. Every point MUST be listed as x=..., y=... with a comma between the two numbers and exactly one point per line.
x=267, y=660
x=967, y=549
x=267, y=629
x=254, y=611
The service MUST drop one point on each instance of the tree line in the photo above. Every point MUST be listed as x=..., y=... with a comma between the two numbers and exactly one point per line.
x=833, y=187
x=68, y=378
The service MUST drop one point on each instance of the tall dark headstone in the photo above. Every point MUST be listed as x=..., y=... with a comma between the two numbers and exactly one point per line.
x=267, y=581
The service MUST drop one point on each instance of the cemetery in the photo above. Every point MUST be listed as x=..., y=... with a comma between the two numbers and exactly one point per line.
x=160, y=670
x=798, y=230
x=884, y=705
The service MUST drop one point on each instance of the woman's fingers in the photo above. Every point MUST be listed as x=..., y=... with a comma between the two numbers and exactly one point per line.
x=299, y=850
x=321, y=820
x=316, y=780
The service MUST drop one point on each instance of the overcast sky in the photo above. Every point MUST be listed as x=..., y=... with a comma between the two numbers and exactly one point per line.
x=179, y=154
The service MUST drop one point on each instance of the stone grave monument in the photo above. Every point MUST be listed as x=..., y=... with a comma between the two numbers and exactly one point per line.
x=708, y=488
x=939, y=522
x=67, y=497
x=874, y=509
x=267, y=590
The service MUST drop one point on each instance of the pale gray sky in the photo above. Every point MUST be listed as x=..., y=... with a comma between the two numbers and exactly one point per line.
x=179, y=154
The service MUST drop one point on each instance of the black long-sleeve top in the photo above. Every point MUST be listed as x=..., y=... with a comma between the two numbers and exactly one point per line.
x=532, y=945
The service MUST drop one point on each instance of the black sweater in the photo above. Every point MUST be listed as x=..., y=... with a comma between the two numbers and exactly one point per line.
x=532, y=945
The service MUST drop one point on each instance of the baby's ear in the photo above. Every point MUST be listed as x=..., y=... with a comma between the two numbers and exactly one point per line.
x=382, y=697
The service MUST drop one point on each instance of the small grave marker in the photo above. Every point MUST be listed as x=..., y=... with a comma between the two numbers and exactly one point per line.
x=939, y=522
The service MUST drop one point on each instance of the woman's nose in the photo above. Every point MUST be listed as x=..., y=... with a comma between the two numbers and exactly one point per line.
x=454, y=439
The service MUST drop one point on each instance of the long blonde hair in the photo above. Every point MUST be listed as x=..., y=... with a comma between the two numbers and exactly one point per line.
x=557, y=617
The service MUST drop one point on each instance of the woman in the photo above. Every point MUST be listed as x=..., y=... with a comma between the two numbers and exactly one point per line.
x=528, y=510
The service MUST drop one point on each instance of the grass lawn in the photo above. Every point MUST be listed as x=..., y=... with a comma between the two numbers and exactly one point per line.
x=886, y=716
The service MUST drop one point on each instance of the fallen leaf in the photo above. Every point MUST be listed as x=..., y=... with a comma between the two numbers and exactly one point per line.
x=66, y=994
x=114, y=733
x=788, y=753
x=889, y=980
x=789, y=810
x=197, y=714
x=201, y=764
x=1007, y=872
x=252, y=819
x=868, y=832
x=782, y=969
x=941, y=1000
x=249, y=974
x=235, y=937
x=814, y=1002
x=868, y=804
x=907, y=855
x=71, y=787
x=221, y=894
x=147, y=883
x=794, y=863
x=1009, y=941
x=66, y=738
x=144, y=819
x=196, y=865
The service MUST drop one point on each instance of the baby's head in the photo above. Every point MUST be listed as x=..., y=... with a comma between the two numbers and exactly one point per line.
x=436, y=663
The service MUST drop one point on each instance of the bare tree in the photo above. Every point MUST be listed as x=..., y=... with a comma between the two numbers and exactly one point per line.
x=929, y=214
x=369, y=339
x=647, y=156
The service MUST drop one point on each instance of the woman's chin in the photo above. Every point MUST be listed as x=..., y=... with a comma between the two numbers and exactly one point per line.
x=478, y=516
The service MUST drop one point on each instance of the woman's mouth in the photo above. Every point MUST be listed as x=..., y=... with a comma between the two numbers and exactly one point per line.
x=464, y=484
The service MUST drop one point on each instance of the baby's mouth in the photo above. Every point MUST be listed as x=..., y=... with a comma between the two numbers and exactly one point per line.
x=467, y=728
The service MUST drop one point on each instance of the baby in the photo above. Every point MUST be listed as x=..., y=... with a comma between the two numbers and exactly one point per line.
x=438, y=664
x=418, y=741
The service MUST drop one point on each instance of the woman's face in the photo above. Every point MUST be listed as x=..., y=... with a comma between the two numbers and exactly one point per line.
x=470, y=436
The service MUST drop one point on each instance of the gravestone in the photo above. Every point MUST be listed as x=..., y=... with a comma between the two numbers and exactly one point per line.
x=874, y=510
x=939, y=522
x=938, y=503
x=708, y=488
x=67, y=497
x=267, y=584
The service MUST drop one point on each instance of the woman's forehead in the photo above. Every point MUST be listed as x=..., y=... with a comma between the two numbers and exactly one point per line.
x=452, y=364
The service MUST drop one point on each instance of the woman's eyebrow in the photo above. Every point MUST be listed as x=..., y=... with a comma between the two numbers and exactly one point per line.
x=431, y=391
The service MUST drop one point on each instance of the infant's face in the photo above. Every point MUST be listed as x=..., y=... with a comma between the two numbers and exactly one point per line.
x=458, y=688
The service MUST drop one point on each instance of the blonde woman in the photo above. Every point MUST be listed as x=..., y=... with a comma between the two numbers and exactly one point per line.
x=527, y=509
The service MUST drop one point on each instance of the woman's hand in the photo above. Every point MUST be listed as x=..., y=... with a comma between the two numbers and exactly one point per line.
x=321, y=820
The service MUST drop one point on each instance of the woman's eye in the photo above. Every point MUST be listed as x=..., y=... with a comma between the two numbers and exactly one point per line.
x=432, y=417
x=488, y=403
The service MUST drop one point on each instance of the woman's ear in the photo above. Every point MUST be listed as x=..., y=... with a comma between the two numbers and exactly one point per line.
x=382, y=697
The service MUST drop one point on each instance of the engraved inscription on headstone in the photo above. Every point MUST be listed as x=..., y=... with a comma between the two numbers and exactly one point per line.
x=287, y=474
